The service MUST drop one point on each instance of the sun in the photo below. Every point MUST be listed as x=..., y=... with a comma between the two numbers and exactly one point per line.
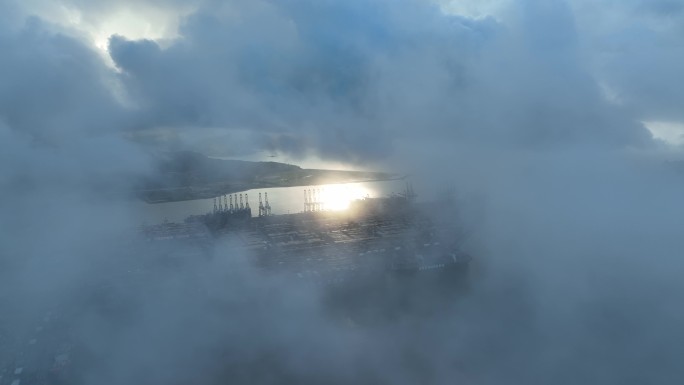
x=338, y=197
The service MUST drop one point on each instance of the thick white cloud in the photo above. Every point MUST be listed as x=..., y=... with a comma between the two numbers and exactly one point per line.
x=475, y=9
x=53, y=86
x=352, y=78
x=577, y=236
x=293, y=70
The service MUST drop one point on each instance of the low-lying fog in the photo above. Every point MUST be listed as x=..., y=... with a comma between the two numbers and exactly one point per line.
x=533, y=115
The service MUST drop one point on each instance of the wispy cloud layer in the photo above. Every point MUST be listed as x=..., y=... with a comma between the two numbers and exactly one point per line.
x=532, y=108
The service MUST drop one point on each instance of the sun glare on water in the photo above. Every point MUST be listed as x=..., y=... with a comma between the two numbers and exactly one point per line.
x=339, y=197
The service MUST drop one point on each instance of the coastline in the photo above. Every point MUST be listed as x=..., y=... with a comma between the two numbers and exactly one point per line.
x=189, y=193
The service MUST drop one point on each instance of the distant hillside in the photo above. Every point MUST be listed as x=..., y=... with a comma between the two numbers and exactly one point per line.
x=189, y=175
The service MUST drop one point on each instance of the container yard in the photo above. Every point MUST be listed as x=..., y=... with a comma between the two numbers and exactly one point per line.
x=374, y=235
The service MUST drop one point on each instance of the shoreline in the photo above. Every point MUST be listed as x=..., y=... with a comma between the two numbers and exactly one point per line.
x=189, y=195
